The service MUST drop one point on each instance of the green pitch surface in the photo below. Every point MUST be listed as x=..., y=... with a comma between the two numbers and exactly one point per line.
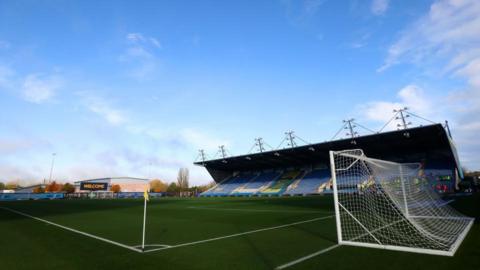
x=203, y=233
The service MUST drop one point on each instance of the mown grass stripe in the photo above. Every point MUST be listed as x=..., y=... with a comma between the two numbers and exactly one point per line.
x=72, y=230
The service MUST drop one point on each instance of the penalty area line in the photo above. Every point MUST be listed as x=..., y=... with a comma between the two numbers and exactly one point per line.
x=73, y=230
x=239, y=234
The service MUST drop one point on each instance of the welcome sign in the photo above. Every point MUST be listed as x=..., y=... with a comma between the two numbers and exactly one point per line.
x=93, y=186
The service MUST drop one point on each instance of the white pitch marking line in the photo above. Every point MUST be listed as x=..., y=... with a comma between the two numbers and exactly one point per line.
x=240, y=234
x=330, y=248
x=73, y=230
x=152, y=245
x=252, y=210
x=307, y=257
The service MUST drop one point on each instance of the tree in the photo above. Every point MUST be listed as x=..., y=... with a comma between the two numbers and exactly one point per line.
x=206, y=187
x=68, y=188
x=53, y=187
x=173, y=188
x=115, y=188
x=38, y=189
x=11, y=185
x=157, y=185
x=182, y=179
x=2, y=186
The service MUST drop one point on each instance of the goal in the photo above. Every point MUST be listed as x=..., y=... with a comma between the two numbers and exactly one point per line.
x=388, y=205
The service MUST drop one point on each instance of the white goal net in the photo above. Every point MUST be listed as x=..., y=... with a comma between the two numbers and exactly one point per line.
x=387, y=205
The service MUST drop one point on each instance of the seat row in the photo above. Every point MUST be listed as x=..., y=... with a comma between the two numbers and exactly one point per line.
x=293, y=182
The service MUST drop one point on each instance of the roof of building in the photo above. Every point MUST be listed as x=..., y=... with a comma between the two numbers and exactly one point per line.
x=111, y=178
x=31, y=186
x=387, y=145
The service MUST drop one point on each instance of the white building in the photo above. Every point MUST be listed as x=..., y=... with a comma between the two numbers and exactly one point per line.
x=29, y=189
x=127, y=184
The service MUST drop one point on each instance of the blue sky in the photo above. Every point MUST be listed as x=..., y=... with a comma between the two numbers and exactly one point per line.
x=123, y=88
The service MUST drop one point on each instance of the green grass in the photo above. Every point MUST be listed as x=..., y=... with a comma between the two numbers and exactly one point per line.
x=30, y=244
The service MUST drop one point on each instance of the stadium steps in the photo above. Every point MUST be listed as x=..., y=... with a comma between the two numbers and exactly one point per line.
x=280, y=185
x=258, y=183
x=296, y=182
x=218, y=184
x=325, y=187
x=242, y=190
x=226, y=187
x=313, y=182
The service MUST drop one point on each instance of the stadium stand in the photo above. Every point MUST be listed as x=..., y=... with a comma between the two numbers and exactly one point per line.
x=229, y=185
x=302, y=182
x=281, y=184
x=262, y=181
x=297, y=182
x=313, y=182
x=441, y=175
x=288, y=171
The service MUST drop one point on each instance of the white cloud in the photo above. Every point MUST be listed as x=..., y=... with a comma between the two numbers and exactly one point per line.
x=155, y=42
x=191, y=138
x=445, y=42
x=16, y=152
x=22, y=175
x=38, y=89
x=411, y=96
x=473, y=126
x=201, y=140
x=361, y=42
x=379, y=7
x=380, y=110
x=140, y=56
x=139, y=38
x=414, y=97
x=10, y=146
x=449, y=32
x=137, y=52
x=104, y=109
x=135, y=37
x=471, y=71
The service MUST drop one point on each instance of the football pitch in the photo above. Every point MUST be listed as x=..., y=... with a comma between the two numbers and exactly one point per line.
x=201, y=233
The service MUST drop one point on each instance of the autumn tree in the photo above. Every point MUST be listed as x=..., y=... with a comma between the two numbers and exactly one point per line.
x=53, y=187
x=157, y=185
x=11, y=185
x=182, y=179
x=115, y=188
x=206, y=187
x=68, y=188
x=173, y=188
x=38, y=189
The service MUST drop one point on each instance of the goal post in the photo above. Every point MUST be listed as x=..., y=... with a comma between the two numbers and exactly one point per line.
x=389, y=205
